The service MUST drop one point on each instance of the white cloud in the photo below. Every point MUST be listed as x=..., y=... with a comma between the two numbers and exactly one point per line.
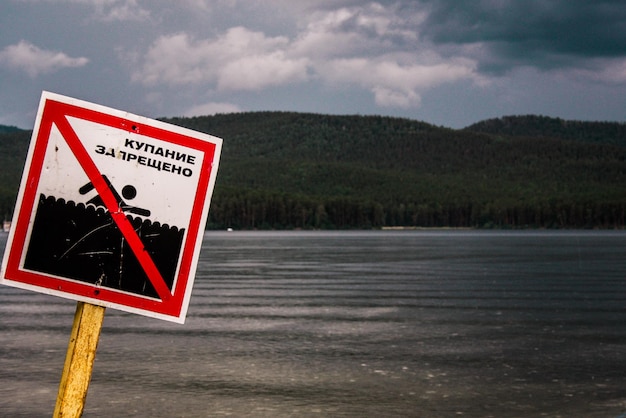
x=175, y=60
x=392, y=83
x=379, y=49
x=319, y=44
x=259, y=71
x=211, y=109
x=351, y=31
x=240, y=59
x=34, y=61
x=371, y=47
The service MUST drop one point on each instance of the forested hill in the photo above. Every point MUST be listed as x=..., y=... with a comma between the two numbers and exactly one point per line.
x=5, y=129
x=297, y=170
x=13, y=149
x=542, y=126
x=372, y=141
x=302, y=170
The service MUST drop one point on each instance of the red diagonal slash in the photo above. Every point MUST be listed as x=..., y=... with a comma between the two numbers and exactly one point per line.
x=109, y=200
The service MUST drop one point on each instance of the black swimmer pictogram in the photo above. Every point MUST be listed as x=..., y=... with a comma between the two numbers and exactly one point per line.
x=128, y=192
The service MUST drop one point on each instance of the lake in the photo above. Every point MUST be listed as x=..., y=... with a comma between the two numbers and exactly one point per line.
x=426, y=323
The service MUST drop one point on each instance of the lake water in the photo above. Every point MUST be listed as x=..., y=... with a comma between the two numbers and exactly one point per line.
x=352, y=324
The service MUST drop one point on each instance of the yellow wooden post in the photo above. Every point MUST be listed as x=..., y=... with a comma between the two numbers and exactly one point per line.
x=81, y=353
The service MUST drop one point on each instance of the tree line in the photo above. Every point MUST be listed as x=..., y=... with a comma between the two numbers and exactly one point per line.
x=253, y=209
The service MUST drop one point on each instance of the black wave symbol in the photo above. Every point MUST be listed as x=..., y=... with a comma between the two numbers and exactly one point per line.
x=82, y=242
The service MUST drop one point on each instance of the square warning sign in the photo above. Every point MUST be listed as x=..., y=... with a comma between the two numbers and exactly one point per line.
x=111, y=208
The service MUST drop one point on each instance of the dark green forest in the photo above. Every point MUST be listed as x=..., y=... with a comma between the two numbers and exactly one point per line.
x=285, y=170
x=545, y=127
x=13, y=148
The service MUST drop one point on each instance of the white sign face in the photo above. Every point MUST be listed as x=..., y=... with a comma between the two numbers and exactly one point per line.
x=111, y=209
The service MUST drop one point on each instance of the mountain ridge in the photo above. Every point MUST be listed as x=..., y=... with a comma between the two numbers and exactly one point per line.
x=9, y=128
x=543, y=126
x=303, y=170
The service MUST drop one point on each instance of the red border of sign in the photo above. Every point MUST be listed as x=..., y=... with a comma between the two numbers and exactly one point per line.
x=55, y=112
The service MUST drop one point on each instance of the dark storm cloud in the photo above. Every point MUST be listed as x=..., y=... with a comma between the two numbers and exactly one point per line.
x=538, y=33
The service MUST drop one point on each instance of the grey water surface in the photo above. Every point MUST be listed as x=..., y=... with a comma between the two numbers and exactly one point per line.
x=352, y=324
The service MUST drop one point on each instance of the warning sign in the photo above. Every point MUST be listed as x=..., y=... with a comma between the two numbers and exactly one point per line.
x=111, y=209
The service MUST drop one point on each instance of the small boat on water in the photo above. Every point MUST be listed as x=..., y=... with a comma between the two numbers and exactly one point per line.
x=6, y=226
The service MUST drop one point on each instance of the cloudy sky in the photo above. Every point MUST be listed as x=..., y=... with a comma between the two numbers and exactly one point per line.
x=445, y=62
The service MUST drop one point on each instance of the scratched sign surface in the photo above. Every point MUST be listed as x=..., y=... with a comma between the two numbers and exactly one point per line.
x=111, y=208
